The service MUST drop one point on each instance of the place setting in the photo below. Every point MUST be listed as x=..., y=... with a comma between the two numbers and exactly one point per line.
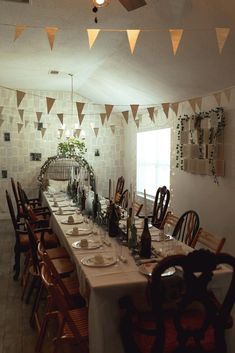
x=87, y=244
x=72, y=220
x=75, y=231
x=99, y=260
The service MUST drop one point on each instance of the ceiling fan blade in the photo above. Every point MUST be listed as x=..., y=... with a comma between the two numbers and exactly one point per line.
x=132, y=4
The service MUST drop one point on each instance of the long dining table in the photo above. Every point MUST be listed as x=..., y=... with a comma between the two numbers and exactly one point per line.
x=102, y=286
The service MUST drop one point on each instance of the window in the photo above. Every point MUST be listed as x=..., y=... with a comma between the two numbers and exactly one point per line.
x=153, y=160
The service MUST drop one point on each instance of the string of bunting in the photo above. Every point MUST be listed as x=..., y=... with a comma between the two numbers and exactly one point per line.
x=176, y=34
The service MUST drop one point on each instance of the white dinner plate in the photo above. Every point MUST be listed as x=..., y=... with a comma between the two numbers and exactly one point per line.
x=163, y=237
x=109, y=260
x=147, y=269
x=76, y=221
x=81, y=232
x=65, y=213
x=91, y=245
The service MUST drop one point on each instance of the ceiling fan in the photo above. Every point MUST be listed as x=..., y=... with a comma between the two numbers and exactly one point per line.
x=130, y=5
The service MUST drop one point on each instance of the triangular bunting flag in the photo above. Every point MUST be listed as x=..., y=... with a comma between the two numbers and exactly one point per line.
x=96, y=130
x=108, y=109
x=132, y=35
x=176, y=35
x=77, y=133
x=19, y=96
x=80, y=106
x=134, y=109
x=60, y=132
x=20, y=125
x=175, y=107
x=92, y=35
x=39, y=115
x=1, y=121
x=221, y=35
x=50, y=102
x=102, y=117
x=137, y=122
x=51, y=32
x=218, y=98
x=151, y=112
x=112, y=127
x=26, y=123
x=61, y=117
x=199, y=102
x=1, y=109
x=126, y=115
x=192, y=103
x=227, y=93
x=80, y=118
x=165, y=107
x=19, y=30
x=43, y=130
x=21, y=112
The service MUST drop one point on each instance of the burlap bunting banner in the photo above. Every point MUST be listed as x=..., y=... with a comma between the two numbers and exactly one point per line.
x=43, y=131
x=80, y=106
x=134, y=109
x=227, y=93
x=92, y=35
x=19, y=126
x=132, y=35
x=51, y=32
x=18, y=31
x=96, y=130
x=151, y=112
x=102, y=117
x=221, y=35
x=77, y=133
x=192, y=103
x=176, y=35
x=175, y=108
x=39, y=115
x=137, y=123
x=199, y=102
x=60, y=131
x=165, y=107
x=61, y=118
x=50, y=102
x=80, y=118
x=108, y=109
x=19, y=96
x=126, y=115
x=21, y=113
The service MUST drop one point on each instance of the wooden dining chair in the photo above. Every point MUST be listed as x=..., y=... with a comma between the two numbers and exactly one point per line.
x=124, y=199
x=186, y=227
x=192, y=320
x=119, y=189
x=21, y=238
x=208, y=240
x=73, y=323
x=71, y=290
x=169, y=222
x=17, y=200
x=161, y=203
x=136, y=208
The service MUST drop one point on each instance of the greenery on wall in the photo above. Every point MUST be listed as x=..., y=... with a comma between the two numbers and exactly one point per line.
x=204, y=130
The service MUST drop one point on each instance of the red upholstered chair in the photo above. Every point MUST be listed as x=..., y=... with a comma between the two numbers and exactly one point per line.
x=192, y=320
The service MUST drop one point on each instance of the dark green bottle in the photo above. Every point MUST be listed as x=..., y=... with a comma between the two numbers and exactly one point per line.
x=145, y=241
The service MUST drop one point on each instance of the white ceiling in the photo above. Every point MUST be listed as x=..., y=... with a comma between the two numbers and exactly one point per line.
x=109, y=73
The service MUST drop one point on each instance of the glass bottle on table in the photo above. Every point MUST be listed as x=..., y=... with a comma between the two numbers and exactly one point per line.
x=145, y=241
x=128, y=224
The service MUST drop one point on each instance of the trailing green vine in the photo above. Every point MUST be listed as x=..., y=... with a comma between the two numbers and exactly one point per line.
x=197, y=136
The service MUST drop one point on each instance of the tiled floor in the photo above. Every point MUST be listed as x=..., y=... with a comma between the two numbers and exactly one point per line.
x=16, y=335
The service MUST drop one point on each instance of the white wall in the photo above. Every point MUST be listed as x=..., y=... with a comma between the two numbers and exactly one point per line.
x=15, y=155
x=214, y=203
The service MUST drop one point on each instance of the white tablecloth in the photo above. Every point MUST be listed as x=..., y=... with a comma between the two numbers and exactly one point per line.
x=103, y=287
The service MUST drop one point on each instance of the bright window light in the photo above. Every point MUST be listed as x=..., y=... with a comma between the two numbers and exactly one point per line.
x=153, y=160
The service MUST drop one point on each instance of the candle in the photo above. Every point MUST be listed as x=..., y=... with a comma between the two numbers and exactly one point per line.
x=113, y=191
x=145, y=206
x=109, y=189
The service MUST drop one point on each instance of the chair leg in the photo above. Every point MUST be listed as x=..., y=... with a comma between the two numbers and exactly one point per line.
x=36, y=302
x=33, y=285
x=16, y=267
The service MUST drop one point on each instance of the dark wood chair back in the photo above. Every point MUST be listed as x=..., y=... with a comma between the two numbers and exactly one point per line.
x=187, y=226
x=192, y=320
x=12, y=212
x=33, y=248
x=124, y=199
x=119, y=189
x=161, y=202
x=17, y=200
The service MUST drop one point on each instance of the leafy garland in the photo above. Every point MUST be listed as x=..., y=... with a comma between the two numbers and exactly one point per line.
x=72, y=148
x=213, y=136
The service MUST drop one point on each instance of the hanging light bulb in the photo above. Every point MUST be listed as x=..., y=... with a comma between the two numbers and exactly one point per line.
x=101, y=3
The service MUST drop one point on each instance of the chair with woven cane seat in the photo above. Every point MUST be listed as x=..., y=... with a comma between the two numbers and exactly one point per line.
x=73, y=323
x=193, y=321
x=187, y=226
x=208, y=240
x=21, y=237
